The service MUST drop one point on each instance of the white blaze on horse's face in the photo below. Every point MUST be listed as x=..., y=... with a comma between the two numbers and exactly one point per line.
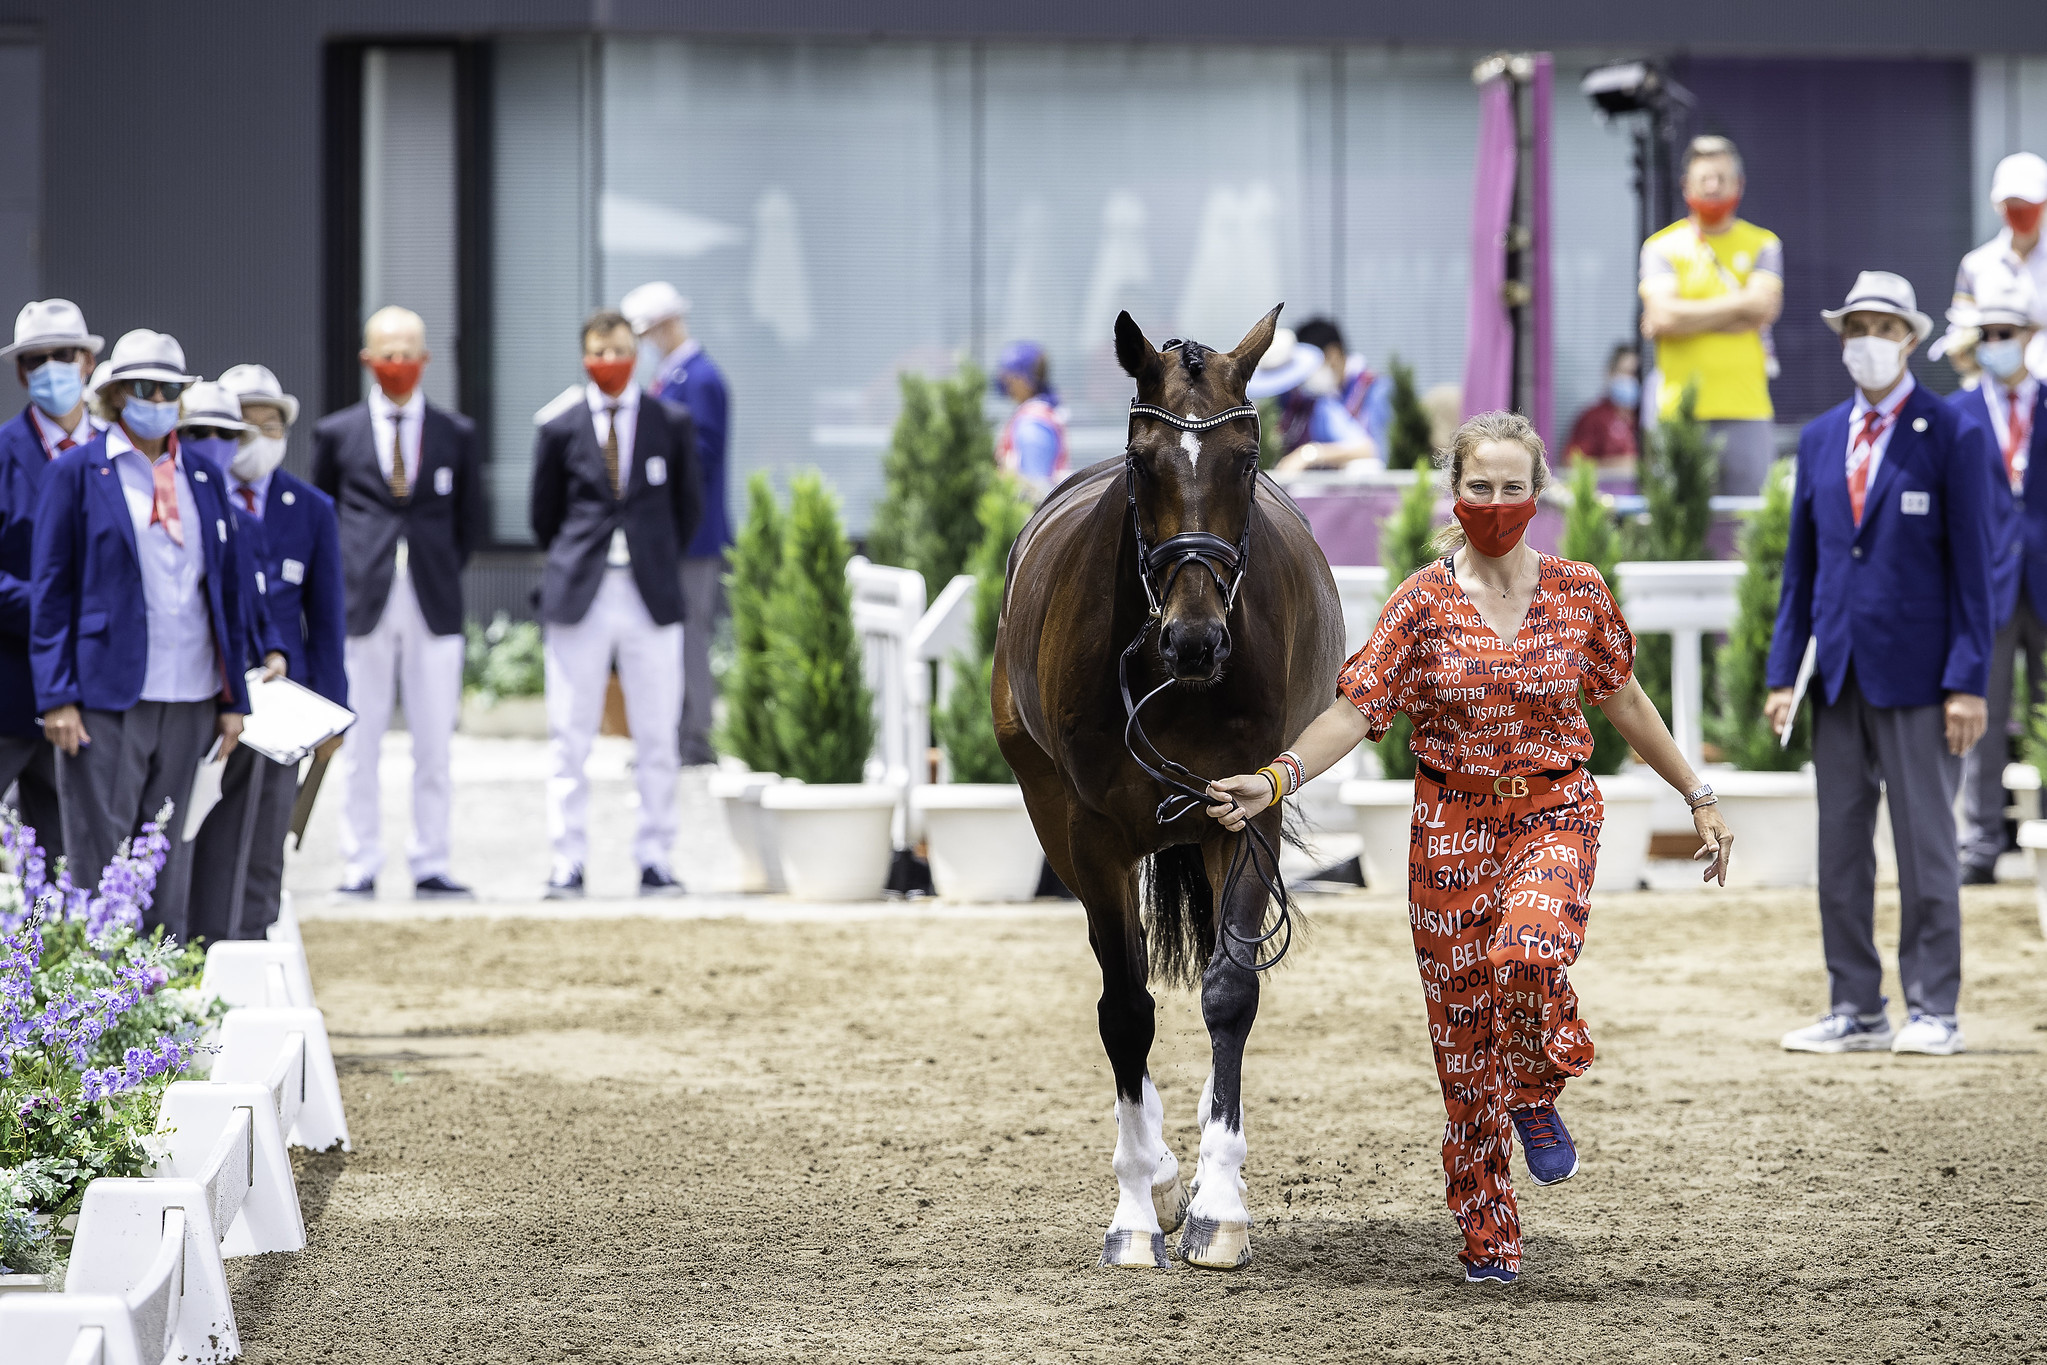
x=1191, y=443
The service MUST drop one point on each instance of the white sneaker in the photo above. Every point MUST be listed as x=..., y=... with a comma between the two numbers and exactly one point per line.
x=1930, y=1035
x=1842, y=1033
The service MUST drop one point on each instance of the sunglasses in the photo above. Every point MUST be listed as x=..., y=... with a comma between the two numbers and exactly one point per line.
x=211, y=434
x=63, y=355
x=1997, y=333
x=154, y=390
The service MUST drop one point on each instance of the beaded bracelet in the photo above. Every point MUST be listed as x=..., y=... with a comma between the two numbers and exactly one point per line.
x=1297, y=773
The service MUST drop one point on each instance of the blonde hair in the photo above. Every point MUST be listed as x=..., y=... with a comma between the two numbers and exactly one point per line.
x=1476, y=431
x=108, y=400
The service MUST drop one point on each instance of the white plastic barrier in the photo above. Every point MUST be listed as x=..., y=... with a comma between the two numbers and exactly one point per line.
x=255, y=1042
x=194, y=1116
x=285, y=928
x=257, y=972
x=70, y=1329
x=130, y=1295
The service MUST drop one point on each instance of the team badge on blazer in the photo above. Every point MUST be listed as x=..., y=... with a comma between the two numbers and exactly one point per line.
x=1914, y=504
x=444, y=481
x=292, y=570
x=657, y=470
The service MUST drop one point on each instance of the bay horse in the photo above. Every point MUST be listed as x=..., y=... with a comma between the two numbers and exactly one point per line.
x=1181, y=575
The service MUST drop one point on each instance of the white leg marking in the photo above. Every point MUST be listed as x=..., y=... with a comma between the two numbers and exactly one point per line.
x=1140, y=1153
x=1191, y=443
x=1218, y=1231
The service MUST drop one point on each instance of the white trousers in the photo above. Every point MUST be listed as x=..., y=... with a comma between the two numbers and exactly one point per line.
x=401, y=657
x=579, y=662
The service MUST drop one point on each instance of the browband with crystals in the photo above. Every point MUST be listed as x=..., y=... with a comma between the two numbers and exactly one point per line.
x=1138, y=409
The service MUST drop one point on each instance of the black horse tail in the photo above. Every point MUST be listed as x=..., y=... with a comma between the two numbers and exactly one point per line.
x=1180, y=910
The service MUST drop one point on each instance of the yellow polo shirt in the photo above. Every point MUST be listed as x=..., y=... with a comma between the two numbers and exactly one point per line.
x=1729, y=366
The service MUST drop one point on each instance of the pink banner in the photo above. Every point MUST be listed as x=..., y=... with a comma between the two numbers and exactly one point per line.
x=1544, y=415
x=1488, y=330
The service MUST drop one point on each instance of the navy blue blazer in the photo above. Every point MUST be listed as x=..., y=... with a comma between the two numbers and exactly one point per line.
x=2019, y=546
x=296, y=547
x=699, y=385
x=23, y=462
x=1905, y=600
x=89, y=636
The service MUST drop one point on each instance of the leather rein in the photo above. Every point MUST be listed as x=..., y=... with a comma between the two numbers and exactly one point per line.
x=1185, y=789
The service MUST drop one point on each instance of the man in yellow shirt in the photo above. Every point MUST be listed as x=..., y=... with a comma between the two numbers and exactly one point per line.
x=1712, y=284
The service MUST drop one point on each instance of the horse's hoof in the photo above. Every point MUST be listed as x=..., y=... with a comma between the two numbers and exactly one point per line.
x=1215, y=1245
x=1169, y=1202
x=1128, y=1249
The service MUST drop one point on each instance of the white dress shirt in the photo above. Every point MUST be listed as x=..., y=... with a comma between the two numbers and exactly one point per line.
x=628, y=405
x=413, y=412
x=54, y=435
x=182, y=664
x=1893, y=401
x=1995, y=268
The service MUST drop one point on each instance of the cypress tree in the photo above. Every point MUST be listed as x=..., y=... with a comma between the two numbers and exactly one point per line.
x=823, y=716
x=965, y=724
x=1403, y=548
x=756, y=554
x=1738, y=725
x=1408, y=443
x=1590, y=537
x=1678, y=471
x=941, y=457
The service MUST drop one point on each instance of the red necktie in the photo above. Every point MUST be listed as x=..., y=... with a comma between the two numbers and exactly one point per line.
x=65, y=445
x=165, y=508
x=1858, y=460
x=248, y=497
x=2014, y=440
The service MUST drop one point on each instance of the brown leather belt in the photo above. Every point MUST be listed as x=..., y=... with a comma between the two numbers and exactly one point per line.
x=1485, y=784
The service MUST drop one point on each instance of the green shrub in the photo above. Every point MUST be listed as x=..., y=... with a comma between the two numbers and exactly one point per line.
x=1407, y=441
x=823, y=715
x=1737, y=724
x=748, y=731
x=1590, y=537
x=1678, y=472
x=940, y=458
x=507, y=658
x=1403, y=548
x=1271, y=440
x=965, y=724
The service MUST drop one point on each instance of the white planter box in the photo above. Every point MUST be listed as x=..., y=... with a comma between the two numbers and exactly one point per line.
x=835, y=838
x=1774, y=818
x=753, y=831
x=505, y=718
x=980, y=839
x=2033, y=838
x=1384, y=811
x=1630, y=800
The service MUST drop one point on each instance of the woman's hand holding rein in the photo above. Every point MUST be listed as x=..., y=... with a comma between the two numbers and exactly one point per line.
x=1328, y=737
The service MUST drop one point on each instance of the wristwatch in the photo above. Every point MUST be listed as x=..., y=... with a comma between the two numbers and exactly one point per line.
x=1702, y=796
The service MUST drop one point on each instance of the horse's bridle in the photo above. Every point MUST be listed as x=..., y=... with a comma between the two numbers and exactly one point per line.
x=1186, y=790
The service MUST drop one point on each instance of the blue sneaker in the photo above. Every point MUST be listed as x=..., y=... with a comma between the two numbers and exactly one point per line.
x=1490, y=1272
x=1546, y=1144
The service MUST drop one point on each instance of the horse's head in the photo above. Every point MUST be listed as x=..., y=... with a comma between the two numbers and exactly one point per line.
x=1192, y=484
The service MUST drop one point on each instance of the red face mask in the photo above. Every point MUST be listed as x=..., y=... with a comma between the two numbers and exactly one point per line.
x=2023, y=217
x=397, y=378
x=1493, y=528
x=609, y=375
x=1713, y=212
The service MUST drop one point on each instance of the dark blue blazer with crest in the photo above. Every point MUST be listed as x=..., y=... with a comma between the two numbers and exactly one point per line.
x=1905, y=600
x=89, y=634
x=23, y=462
x=2019, y=548
x=296, y=547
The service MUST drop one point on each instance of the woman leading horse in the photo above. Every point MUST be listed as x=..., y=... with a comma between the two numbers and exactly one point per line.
x=1488, y=650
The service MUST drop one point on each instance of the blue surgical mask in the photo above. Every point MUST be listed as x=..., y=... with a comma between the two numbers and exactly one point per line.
x=149, y=421
x=1624, y=390
x=54, y=386
x=2002, y=358
x=217, y=449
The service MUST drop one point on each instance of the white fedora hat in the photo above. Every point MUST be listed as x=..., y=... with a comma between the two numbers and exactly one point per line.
x=211, y=405
x=143, y=354
x=653, y=303
x=1880, y=291
x=255, y=384
x=1284, y=367
x=49, y=323
x=2006, y=302
x=2022, y=175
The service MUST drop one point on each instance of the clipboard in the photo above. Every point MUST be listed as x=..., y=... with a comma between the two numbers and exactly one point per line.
x=287, y=721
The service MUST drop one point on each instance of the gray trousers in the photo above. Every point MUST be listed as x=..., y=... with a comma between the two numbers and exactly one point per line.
x=218, y=849
x=1860, y=752
x=138, y=759
x=703, y=600
x=1747, y=447
x=1983, y=766
x=31, y=761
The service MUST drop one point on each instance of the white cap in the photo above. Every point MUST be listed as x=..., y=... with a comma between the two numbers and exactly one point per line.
x=143, y=354
x=255, y=384
x=211, y=405
x=1879, y=291
x=48, y=323
x=651, y=304
x=2022, y=175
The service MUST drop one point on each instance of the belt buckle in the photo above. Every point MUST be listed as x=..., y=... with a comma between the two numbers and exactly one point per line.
x=1510, y=786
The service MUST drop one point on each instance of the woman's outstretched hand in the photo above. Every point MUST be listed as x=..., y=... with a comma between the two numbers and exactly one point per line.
x=1717, y=841
x=1239, y=798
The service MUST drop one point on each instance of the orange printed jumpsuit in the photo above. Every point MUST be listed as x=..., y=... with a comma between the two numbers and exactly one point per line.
x=1498, y=885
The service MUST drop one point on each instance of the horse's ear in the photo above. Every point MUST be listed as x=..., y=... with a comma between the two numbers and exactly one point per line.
x=1252, y=348
x=1137, y=356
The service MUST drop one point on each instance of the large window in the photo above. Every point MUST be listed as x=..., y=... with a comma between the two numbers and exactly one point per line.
x=841, y=212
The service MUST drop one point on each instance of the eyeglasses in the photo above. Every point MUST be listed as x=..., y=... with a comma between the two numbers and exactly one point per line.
x=272, y=427
x=211, y=434
x=63, y=355
x=155, y=390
